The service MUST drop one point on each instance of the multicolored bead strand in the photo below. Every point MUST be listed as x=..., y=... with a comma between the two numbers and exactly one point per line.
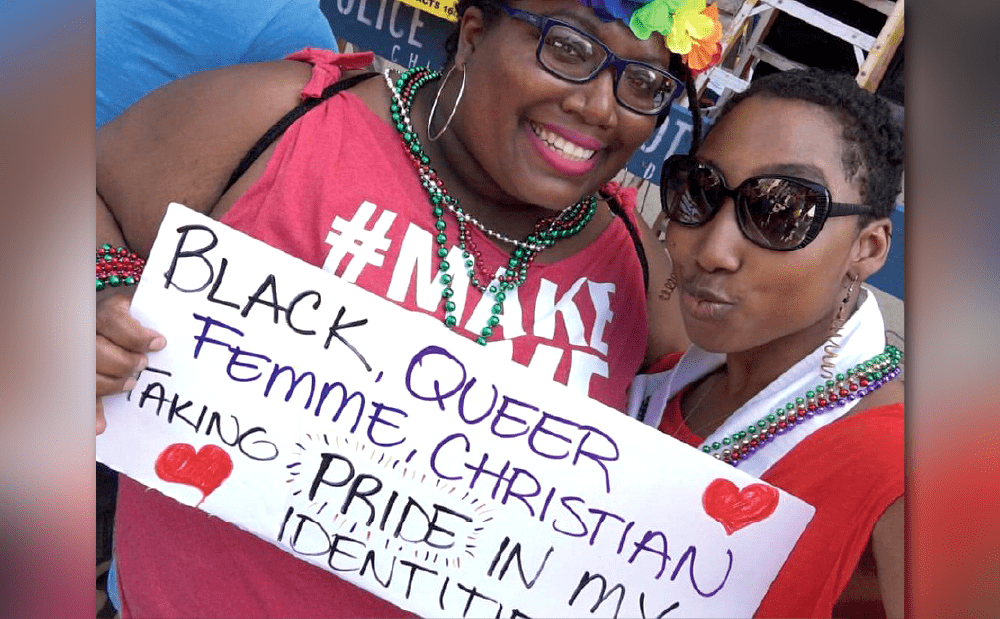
x=547, y=231
x=118, y=267
x=856, y=383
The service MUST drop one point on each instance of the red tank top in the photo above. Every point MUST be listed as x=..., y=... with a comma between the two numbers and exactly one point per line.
x=851, y=471
x=339, y=192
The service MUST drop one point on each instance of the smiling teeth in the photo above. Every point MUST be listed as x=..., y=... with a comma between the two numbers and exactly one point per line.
x=563, y=146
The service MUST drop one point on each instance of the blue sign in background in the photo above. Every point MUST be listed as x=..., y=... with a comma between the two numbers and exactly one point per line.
x=673, y=136
x=392, y=29
x=410, y=37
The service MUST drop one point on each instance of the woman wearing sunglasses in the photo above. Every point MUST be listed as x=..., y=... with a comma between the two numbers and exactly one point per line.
x=774, y=224
x=483, y=185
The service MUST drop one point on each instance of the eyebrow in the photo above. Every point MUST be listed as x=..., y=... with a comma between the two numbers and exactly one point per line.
x=591, y=25
x=807, y=171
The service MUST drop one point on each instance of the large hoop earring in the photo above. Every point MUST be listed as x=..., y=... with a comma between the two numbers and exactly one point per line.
x=461, y=90
x=827, y=367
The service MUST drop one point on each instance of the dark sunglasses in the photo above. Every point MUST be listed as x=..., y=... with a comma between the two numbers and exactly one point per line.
x=576, y=56
x=776, y=212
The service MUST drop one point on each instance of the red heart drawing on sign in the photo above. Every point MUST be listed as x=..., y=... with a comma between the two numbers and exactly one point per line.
x=735, y=508
x=205, y=470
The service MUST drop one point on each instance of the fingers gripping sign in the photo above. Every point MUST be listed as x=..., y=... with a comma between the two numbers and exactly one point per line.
x=122, y=345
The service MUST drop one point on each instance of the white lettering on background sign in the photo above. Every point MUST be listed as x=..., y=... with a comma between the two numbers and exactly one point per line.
x=378, y=445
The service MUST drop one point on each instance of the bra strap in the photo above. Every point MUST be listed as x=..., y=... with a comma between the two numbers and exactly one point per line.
x=286, y=121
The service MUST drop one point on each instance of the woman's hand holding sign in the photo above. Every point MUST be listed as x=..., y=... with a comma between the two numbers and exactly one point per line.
x=122, y=344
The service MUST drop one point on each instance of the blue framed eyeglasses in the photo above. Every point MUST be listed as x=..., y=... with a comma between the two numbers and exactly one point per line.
x=575, y=56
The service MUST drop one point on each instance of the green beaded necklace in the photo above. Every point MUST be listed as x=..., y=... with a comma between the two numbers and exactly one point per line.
x=856, y=383
x=547, y=231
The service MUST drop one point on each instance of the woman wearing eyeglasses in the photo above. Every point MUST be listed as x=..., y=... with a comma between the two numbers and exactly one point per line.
x=774, y=224
x=481, y=188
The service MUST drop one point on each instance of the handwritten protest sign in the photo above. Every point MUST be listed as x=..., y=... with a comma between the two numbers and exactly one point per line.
x=378, y=445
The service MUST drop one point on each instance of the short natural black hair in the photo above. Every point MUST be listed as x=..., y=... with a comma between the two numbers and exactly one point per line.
x=873, y=140
x=491, y=11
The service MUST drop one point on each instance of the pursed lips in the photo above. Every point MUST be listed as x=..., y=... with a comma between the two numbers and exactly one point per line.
x=705, y=302
x=704, y=293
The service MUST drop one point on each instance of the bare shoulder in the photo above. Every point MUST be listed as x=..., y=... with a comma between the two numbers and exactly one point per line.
x=181, y=142
x=374, y=94
x=219, y=100
x=666, y=326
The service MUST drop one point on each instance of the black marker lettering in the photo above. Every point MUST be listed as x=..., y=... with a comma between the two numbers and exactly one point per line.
x=291, y=310
x=661, y=614
x=325, y=460
x=413, y=570
x=473, y=594
x=586, y=579
x=335, y=329
x=268, y=284
x=195, y=253
x=354, y=492
x=217, y=283
x=515, y=554
x=433, y=526
x=370, y=561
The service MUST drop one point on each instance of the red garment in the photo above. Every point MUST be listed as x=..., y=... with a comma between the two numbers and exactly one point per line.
x=850, y=471
x=340, y=164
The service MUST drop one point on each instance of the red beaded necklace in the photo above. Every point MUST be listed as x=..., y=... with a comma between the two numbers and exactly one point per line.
x=546, y=231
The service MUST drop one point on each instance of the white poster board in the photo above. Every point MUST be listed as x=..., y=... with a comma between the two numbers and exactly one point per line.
x=354, y=434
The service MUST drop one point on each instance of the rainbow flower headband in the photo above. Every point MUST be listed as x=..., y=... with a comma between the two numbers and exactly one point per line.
x=689, y=27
